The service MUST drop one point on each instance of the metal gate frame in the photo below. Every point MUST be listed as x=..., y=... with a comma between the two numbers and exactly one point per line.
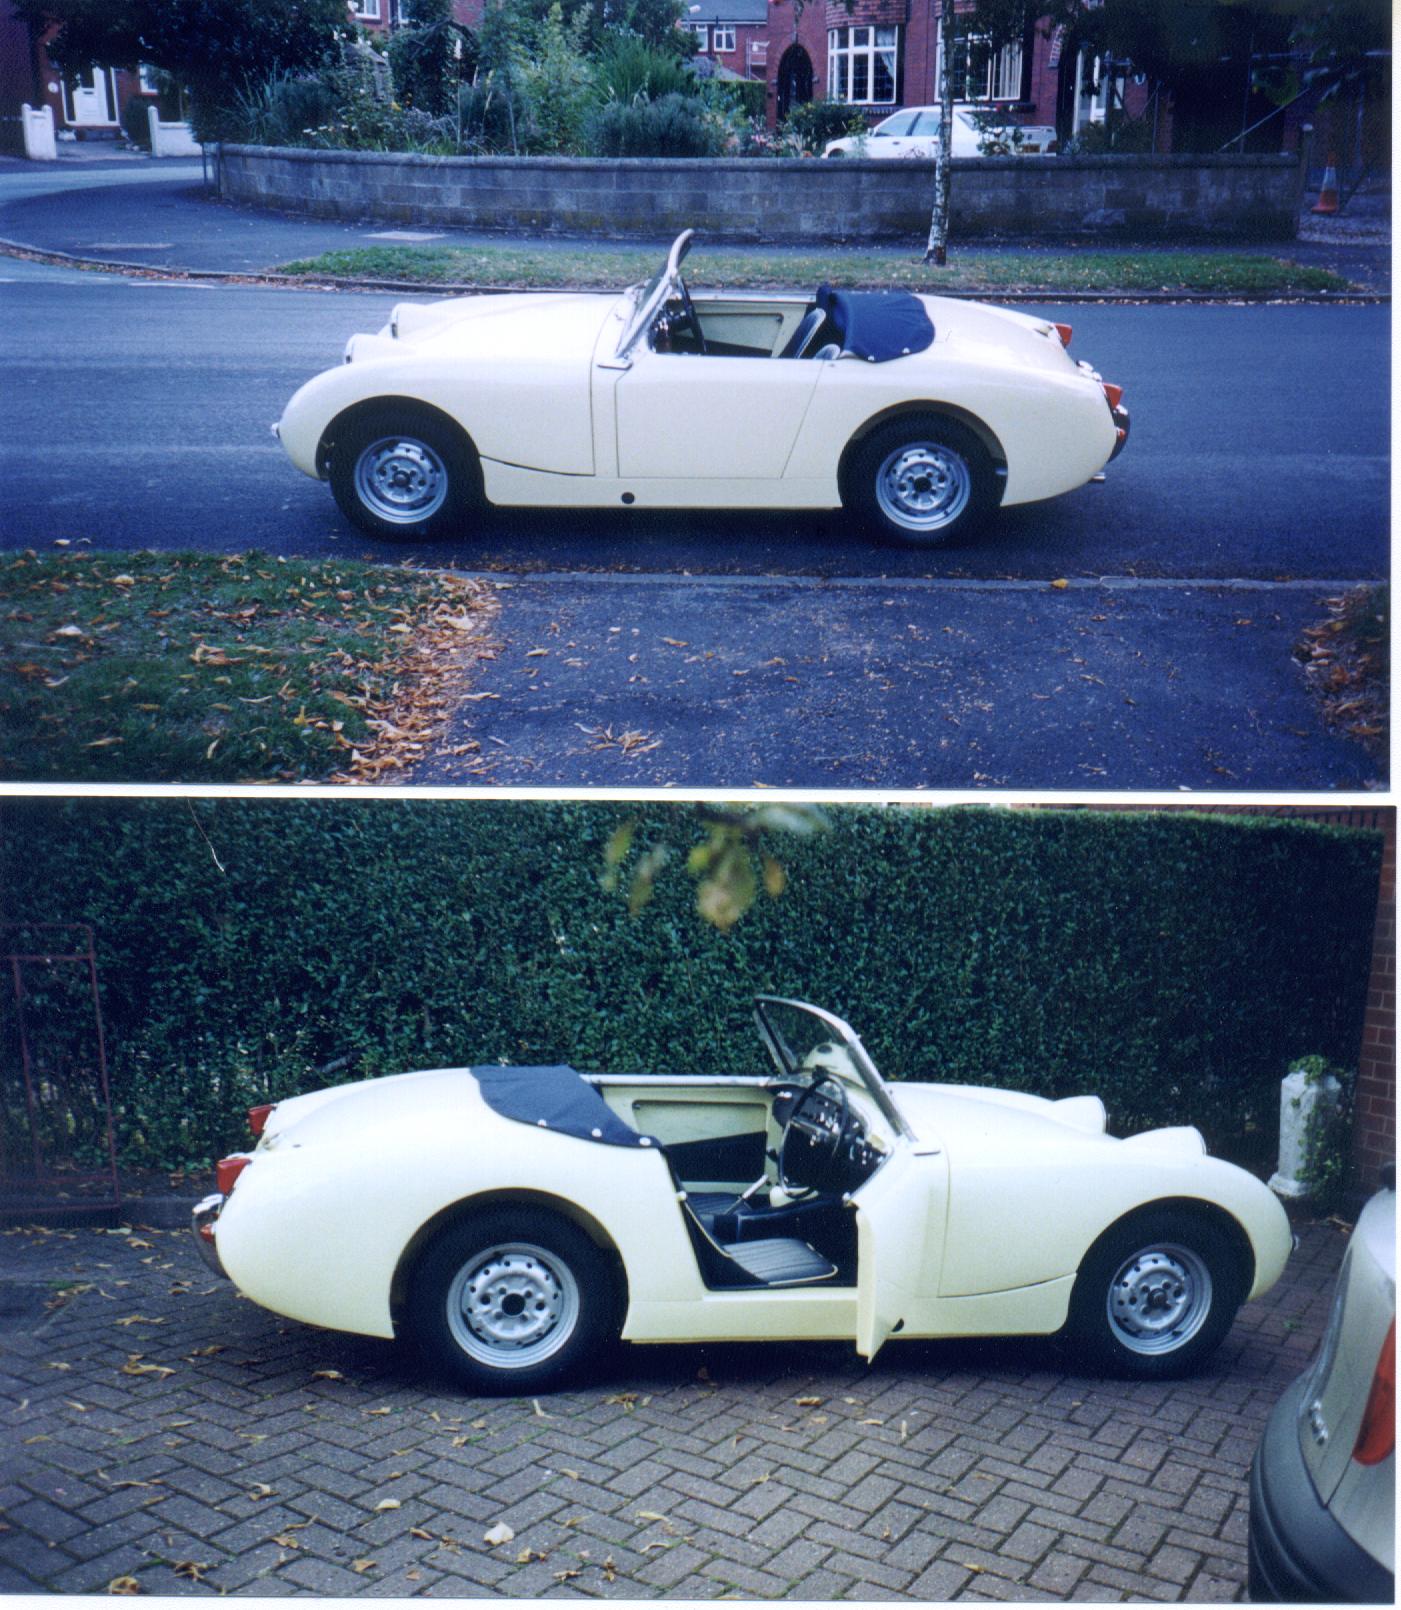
x=49, y=1193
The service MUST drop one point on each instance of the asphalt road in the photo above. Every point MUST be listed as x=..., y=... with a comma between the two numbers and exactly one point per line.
x=732, y=649
x=137, y=414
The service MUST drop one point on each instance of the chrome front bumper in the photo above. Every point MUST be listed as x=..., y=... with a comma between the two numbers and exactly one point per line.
x=202, y=1219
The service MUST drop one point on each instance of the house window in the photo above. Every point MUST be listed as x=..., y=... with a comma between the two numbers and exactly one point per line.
x=983, y=74
x=702, y=32
x=368, y=10
x=861, y=65
x=724, y=37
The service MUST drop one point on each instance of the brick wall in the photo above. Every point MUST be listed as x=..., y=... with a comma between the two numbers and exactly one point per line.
x=1374, y=1133
x=1029, y=198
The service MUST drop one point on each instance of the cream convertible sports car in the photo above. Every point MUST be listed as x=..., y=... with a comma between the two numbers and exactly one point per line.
x=918, y=414
x=512, y=1220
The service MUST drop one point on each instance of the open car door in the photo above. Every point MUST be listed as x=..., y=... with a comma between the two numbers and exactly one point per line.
x=900, y=1214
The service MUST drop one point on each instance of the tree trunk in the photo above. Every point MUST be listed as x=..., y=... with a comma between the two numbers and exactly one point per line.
x=936, y=251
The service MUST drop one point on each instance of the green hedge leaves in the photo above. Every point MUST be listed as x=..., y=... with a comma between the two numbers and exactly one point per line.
x=1172, y=963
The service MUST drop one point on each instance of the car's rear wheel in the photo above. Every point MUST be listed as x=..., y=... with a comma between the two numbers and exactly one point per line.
x=403, y=473
x=921, y=481
x=512, y=1300
x=1156, y=1294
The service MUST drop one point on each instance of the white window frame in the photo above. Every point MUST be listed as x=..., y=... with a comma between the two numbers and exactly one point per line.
x=857, y=44
x=702, y=32
x=365, y=10
x=723, y=39
x=997, y=78
x=1091, y=103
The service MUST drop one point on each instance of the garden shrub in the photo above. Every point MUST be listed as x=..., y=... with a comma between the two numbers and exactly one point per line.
x=1171, y=963
x=812, y=124
x=136, y=122
x=628, y=69
x=674, y=126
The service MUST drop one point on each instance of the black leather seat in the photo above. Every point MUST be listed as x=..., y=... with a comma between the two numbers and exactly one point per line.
x=804, y=336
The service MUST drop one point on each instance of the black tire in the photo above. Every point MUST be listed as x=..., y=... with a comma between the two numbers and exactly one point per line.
x=1156, y=1295
x=512, y=1300
x=921, y=481
x=404, y=473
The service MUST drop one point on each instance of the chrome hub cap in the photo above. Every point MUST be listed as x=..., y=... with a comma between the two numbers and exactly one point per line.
x=924, y=486
x=1159, y=1299
x=401, y=480
x=513, y=1306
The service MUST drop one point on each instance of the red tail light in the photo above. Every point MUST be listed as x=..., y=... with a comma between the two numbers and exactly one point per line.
x=258, y=1117
x=227, y=1170
x=1113, y=393
x=1064, y=332
x=1377, y=1436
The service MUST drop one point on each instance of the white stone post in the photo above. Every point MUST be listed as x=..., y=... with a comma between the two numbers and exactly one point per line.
x=1299, y=1099
x=170, y=139
x=39, y=143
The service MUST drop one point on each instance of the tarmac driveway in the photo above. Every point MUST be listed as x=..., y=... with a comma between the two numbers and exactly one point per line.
x=163, y=1430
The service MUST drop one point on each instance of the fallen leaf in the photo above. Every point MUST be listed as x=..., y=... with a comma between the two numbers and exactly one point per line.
x=124, y=1584
x=388, y=1503
x=327, y=1375
x=527, y=1555
x=361, y=1566
x=1060, y=584
x=565, y=1576
x=808, y=1403
x=191, y=1570
x=499, y=1534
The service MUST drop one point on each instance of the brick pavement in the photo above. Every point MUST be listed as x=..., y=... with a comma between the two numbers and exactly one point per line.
x=161, y=1428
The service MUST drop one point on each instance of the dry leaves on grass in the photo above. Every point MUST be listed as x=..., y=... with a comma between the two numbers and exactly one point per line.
x=425, y=694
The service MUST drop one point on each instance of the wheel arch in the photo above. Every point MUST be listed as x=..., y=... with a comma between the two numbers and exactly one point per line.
x=369, y=405
x=944, y=410
x=461, y=1212
x=1236, y=1236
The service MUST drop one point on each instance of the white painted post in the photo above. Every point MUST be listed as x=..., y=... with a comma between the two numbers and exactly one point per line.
x=38, y=124
x=170, y=139
x=1299, y=1099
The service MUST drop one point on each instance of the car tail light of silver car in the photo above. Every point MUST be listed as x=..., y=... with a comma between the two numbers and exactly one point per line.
x=1376, y=1437
x=258, y=1117
x=1064, y=331
x=227, y=1170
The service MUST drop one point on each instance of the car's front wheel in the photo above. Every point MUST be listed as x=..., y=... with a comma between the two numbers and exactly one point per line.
x=403, y=473
x=1156, y=1295
x=920, y=480
x=512, y=1300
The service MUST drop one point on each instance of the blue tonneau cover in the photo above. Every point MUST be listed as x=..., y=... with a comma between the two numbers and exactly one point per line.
x=555, y=1098
x=877, y=325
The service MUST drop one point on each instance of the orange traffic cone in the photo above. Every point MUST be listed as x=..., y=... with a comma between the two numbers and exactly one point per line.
x=1328, y=193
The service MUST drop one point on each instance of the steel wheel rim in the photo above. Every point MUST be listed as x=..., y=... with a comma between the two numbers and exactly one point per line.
x=401, y=480
x=1159, y=1298
x=512, y=1306
x=924, y=486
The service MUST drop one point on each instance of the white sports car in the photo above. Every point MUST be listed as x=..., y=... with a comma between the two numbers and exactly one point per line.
x=511, y=1221
x=918, y=414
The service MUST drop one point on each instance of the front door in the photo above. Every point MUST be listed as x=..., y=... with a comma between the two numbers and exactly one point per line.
x=900, y=1216
x=693, y=416
x=90, y=99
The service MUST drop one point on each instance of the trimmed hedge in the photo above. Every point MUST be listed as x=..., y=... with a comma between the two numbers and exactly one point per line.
x=1173, y=963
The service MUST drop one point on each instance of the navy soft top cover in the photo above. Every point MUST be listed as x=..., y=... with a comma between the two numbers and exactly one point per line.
x=877, y=325
x=555, y=1098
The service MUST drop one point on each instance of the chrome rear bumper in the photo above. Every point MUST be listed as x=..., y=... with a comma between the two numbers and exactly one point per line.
x=202, y=1219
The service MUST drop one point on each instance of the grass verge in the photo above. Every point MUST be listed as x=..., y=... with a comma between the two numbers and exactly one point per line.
x=609, y=267
x=146, y=667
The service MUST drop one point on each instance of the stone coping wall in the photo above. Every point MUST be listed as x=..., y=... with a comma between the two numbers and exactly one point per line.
x=745, y=199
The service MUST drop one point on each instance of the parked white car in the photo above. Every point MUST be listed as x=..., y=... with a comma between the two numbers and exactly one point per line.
x=1323, y=1481
x=914, y=132
x=511, y=1221
x=920, y=415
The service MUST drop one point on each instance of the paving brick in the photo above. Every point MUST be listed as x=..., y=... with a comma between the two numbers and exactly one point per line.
x=1058, y=1573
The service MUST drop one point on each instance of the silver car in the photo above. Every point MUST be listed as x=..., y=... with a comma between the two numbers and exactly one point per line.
x=1323, y=1483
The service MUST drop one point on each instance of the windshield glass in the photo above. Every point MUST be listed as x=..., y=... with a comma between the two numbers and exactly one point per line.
x=804, y=1039
x=647, y=299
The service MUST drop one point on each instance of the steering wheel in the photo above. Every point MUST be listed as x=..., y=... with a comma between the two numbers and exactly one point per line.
x=817, y=1137
x=688, y=313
